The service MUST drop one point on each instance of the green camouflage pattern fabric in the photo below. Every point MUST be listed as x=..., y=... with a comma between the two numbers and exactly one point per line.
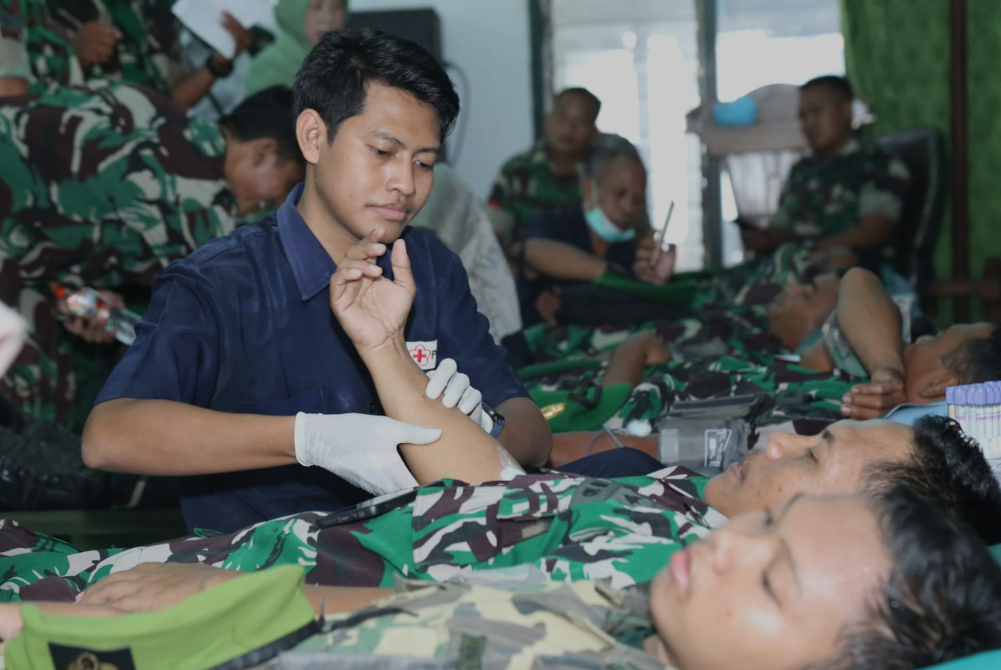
x=43, y=47
x=826, y=197
x=144, y=56
x=568, y=527
x=99, y=187
x=718, y=313
x=579, y=626
x=790, y=391
x=527, y=185
x=150, y=41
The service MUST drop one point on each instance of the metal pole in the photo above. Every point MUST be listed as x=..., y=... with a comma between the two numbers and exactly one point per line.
x=960, y=162
x=712, y=201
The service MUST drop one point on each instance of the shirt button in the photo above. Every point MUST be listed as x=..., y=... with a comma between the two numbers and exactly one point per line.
x=371, y=408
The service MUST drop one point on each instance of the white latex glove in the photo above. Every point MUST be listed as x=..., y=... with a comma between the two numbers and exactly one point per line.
x=457, y=389
x=13, y=331
x=360, y=448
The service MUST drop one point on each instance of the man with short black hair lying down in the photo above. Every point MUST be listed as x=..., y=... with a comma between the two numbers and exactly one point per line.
x=864, y=334
x=843, y=583
x=560, y=527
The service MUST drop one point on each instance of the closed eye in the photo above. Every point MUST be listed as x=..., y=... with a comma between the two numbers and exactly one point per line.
x=378, y=152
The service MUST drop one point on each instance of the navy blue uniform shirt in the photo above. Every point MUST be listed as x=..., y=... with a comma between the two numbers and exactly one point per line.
x=244, y=325
x=570, y=227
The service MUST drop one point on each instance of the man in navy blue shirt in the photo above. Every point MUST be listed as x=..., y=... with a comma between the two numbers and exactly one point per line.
x=242, y=374
x=575, y=246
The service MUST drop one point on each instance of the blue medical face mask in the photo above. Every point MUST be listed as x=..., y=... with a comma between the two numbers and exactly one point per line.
x=604, y=228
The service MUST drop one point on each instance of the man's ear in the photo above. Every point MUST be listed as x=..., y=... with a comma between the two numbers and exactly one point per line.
x=934, y=388
x=311, y=132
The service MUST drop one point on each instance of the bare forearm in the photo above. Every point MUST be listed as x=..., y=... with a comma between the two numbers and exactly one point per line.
x=871, y=231
x=161, y=437
x=342, y=599
x=11, y=86
x=191, y=88
x=464, y=451
x=870, y=321
x=525, y=435
x=562, y=261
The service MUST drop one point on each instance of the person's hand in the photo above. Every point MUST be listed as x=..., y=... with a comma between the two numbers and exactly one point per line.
x=457, y=389
x=547, y=304
x=154, y=586
x=372, y=309
x=242, y=39
x=360, y=448
x=93, y=329
x=10, y=622
x=868, y=401
x=95, y=43
x=653, y=265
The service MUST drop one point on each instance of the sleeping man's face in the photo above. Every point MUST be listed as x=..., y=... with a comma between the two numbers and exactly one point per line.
x=827, y=464
x=771, y=590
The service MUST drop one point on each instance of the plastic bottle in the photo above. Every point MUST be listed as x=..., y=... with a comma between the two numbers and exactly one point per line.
x=90, y=304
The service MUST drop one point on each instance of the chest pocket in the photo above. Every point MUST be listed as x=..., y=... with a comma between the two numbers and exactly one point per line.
x=465, y=525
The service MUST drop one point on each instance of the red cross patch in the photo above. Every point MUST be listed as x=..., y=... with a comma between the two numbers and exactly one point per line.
x=425, y=354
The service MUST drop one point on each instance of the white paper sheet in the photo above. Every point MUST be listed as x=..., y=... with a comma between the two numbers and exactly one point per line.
x=202, y=18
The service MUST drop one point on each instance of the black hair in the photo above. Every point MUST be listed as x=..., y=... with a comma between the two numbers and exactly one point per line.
x=591, y=98
x=267, y=113
x=604, y=155
x=333, y=78
x=839, y=85
x=941, y=601
x=949, y=468
x=976, y=360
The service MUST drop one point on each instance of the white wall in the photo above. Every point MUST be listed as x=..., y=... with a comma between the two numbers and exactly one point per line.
x=489, y=40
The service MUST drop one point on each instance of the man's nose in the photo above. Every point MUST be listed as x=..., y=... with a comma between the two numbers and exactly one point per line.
x=401, y=177
x=733, y=547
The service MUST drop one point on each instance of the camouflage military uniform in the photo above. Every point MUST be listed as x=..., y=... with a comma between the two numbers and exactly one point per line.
x=145, y=55
x=560, y=626
x=723, y=313
x=823, y=197
x=789, y=391
x=528, y=184
x=149, y=44
x=100, y=187
x=568, y=527
x=42, y=47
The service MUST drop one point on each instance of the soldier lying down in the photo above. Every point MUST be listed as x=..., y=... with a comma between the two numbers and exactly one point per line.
x=843, y=583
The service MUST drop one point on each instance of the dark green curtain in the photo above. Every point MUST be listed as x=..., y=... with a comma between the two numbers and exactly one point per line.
x=897, y=55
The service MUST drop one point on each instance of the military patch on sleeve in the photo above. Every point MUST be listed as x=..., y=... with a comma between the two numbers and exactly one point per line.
x=77, y=658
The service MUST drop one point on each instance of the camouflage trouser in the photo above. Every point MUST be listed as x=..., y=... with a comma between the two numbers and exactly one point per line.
x=788, y=391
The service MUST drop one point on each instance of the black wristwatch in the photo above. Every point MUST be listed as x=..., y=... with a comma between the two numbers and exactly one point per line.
x=216, y=72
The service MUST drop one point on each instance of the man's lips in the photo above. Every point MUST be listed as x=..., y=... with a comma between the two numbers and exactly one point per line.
x=679, y=568
x=392, y=212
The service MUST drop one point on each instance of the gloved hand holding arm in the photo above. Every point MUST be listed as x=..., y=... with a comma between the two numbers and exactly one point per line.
x=373, y=311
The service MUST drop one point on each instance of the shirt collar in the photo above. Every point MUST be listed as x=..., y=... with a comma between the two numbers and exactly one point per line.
x=311, y=265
